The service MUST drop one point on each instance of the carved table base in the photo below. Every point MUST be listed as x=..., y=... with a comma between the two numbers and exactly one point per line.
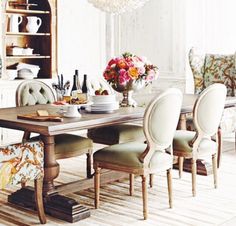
x=203, y=168
x=56, y=205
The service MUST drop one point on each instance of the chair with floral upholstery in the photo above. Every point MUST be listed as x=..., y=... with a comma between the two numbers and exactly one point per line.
x=112, y=134
x=32, y=92
x=199, y=144
x=160, y=122
x=208, y=69
x=23, y=162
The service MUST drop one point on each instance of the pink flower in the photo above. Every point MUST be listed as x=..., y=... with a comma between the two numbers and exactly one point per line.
x=128, y=67
x=150, y=75
x=124, y=77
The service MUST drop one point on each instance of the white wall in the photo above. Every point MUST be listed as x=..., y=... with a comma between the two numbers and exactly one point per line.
x=81, y=38
x=156, y=31
x=162, y=30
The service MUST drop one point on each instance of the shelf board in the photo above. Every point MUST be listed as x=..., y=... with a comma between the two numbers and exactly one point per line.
x=28, y=57
x=25, y=11
x=27, y=33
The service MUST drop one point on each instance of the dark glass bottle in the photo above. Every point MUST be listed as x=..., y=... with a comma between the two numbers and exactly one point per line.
x=76, y=83
x=84, y=86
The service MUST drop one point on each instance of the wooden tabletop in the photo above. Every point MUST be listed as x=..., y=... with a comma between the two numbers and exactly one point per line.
x=8, y=117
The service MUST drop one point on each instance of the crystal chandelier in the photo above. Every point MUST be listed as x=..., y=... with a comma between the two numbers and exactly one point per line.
x=117, y=6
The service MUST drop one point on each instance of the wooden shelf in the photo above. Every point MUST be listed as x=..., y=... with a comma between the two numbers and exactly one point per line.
x=28, y=57
x=25, y=11
x=44, y=42
x=26, y=33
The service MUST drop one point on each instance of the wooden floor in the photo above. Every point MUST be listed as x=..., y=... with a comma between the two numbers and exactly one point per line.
x=210, y=206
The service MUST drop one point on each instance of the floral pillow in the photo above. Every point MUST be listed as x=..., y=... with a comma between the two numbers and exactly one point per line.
x=221, y=69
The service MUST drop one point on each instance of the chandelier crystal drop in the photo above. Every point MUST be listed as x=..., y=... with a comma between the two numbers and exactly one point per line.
x=117, y=6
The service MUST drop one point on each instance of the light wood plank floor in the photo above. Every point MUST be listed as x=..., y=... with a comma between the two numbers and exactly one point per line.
x=210, y=206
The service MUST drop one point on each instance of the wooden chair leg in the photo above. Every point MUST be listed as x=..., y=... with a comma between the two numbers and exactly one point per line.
x=89, y=163
x=169, y=183
x=181, y=163
x=214, y=167
x=219, y=142
x=144, y=194
x=151, y=176
x=38, y=186
x=97, y=187
x=194, y=173
x=131, y=184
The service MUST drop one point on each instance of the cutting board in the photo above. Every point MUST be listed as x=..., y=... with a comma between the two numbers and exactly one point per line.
x=35, y=117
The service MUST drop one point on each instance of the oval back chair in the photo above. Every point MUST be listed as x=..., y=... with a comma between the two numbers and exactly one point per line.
x=207, y=114
x=32, y=92
x=160, y=122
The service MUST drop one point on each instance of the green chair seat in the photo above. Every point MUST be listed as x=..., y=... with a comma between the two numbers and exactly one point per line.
x=117, y=134
x=127, y=154
x=182, y=141
x=69, y=145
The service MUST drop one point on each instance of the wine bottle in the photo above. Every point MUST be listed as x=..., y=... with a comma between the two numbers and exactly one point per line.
x=84, y=86
x=76, y=85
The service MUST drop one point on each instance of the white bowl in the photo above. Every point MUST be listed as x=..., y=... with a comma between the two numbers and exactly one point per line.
x=25, y=74
x=103, y=98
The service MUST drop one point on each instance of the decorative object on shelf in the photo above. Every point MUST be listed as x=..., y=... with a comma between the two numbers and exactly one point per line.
x=27, y=71
x=61, y=88
x=15, y=21
x=33, y=24
x=117, y=6
x=128, y=73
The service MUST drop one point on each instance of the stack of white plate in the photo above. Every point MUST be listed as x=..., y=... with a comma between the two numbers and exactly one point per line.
x=103, y=104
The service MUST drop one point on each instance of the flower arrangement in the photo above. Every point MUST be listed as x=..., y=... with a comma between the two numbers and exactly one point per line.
x=124, y=70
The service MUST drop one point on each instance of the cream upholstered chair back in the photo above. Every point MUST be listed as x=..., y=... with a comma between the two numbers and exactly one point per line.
x=208, y=109
x=32, y=92
x=160, y=120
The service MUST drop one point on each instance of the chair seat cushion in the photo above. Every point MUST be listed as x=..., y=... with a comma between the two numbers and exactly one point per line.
x=183, y=138
x=127, y=154
x=117, y=134
x=69, y=145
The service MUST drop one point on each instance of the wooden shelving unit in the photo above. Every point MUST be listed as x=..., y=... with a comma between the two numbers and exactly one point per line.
x=27, y=34
x=28, y=57
x=26, y=11
x=43, y=42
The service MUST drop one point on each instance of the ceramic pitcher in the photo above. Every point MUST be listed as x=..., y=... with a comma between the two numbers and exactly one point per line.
x=15, y=21
x=33, y=24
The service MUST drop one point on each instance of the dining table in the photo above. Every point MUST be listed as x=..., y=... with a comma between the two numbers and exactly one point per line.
x=57, y=203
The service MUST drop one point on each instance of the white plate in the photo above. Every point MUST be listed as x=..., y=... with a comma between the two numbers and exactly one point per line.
x=103, y=107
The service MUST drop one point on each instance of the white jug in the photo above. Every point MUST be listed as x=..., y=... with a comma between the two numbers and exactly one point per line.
x=15, y=21
x=33, y=24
